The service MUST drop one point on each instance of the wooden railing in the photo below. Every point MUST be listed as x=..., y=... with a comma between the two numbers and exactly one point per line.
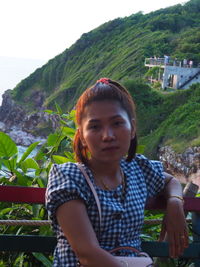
x=35, y=243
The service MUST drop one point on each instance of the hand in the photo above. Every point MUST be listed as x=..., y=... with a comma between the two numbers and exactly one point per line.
x=174, y=224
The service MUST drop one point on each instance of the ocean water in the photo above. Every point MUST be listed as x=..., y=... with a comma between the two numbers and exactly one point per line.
x=22, y=149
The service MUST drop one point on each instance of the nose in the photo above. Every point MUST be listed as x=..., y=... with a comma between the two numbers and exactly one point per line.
x=108, y=134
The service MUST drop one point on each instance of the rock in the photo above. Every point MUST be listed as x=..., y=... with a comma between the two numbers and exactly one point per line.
x=23, y=138
x=185, y=166
x=25, y=128
x=32, y=120
x=10, y=113
x=2, y=127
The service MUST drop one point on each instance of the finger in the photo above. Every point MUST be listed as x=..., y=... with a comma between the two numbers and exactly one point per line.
x=163, y=229
x=171, y=238
x=181, y=243
x=162, y=233
x=176, y=245
x=186, y=239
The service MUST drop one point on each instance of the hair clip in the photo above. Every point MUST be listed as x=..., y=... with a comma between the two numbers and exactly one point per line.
x=103, y=80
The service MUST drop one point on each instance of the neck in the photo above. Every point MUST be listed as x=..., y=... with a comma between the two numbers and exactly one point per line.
x=105, y=169
x=107, y=176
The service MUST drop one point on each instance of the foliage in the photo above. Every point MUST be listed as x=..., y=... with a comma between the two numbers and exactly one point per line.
x=166, y=118
x=177, y=122
x=153, y=72
x=32, y=170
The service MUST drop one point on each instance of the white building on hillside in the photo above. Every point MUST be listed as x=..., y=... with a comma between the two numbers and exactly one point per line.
x=176, y=74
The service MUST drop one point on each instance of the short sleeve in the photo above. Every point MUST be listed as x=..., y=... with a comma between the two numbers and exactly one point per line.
x=65, y=183
x=153, y=174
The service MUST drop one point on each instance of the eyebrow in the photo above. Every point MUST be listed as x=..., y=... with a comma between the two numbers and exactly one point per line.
x=93, y=120
x=111, y=118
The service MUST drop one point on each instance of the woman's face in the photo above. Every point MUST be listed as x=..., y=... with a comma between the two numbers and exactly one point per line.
x=106, y=131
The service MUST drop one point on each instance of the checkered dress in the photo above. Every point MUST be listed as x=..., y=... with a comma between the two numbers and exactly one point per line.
x=122, y=214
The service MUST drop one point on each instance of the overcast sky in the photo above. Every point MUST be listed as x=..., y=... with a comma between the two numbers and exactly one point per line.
x=34, y=31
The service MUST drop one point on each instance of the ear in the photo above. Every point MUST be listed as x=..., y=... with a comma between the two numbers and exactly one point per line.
x=82, y=138
x=133, y=128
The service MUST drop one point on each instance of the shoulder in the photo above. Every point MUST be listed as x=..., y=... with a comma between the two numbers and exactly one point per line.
x=153, y=174
x=154, y=165
x=65, y=174
x=65, y=167
x=141, y=165
x=146, y=163
x=140, y=161
x=65, y=183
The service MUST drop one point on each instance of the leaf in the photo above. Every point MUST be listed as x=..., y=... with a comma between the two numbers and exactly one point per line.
x=5, y=211
x=69, y=132
x=65, y=116
x=43, y=259
x=140, y=149
x=69, y=155
x=72, y=115
x=63, y=122
x=60, y=159
x=40, y=182
x=40, y=155
x=35, y=211
x=48, y=167
x=10, y=163
x=23, y=179
x=48, y=111
x=4, y=180
x=20, y=260
x=28, y=151
x=58, y=108
x=29, y=164
x=71, y=124
x=52, y=139
x=8, y=148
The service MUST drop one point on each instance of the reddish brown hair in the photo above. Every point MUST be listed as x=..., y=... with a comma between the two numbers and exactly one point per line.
x=104, y=89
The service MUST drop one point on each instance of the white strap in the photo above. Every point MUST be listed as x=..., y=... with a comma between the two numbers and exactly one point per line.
x=92, y=188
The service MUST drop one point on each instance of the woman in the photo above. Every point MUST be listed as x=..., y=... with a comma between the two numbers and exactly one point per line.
x=105, y=143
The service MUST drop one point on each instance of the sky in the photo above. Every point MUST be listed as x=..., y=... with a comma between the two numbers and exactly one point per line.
x=34, y=31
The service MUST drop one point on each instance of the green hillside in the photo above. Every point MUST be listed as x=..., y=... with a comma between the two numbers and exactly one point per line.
x=117, y=49
x=167, y=119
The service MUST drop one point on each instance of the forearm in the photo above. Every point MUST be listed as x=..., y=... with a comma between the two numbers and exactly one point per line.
x=76, y=226
x=97, y=257
x=174, y=221
x=172, y=187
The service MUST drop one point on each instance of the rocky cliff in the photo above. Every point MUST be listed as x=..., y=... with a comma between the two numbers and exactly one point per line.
x=184, y=166
x=25, y=128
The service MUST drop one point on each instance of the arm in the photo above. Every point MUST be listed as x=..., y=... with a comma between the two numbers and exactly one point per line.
x=174, y=222
x=73, y=219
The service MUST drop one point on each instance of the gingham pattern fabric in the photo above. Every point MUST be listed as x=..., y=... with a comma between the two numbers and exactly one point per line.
x=122, y=214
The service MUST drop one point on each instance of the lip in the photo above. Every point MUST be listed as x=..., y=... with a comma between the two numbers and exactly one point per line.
x=110, y=148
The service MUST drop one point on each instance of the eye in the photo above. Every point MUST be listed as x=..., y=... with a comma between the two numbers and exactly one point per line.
x=118, y=123
x=94, y=127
